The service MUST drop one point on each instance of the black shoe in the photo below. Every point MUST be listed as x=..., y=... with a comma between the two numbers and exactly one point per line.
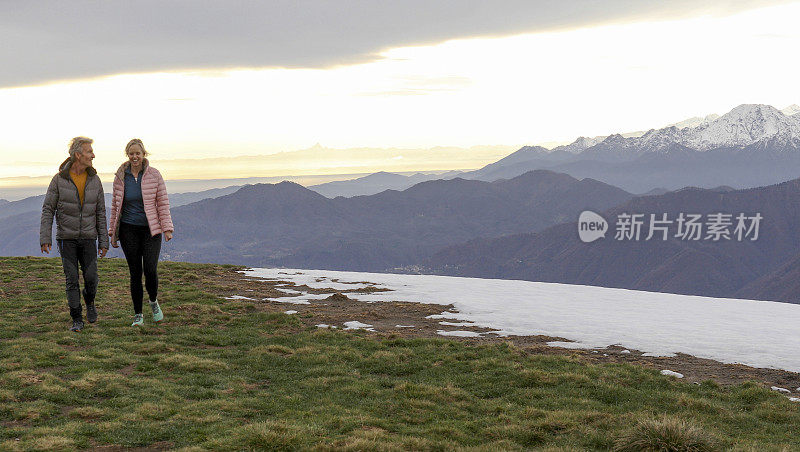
x=77, y=326
x=91, y=313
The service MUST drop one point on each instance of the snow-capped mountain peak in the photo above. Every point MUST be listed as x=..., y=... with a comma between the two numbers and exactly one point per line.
x=614, y=138
x=744, y=125
x=758, y=114
x=579, y=145
x=696, y=121
x=658, y=140
x=791, y=110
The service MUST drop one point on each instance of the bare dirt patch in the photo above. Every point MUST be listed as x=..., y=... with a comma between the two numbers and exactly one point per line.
x=128, y=370
x=408, y=319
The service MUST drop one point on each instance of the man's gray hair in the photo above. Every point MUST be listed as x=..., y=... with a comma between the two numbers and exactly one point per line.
x=76, y=145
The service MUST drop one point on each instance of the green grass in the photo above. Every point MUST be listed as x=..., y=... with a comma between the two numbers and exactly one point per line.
x=227, y=375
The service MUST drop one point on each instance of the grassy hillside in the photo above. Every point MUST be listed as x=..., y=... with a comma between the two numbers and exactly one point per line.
x=220, y=374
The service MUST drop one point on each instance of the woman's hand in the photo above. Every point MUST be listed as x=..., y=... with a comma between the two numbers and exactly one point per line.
x=168, y=236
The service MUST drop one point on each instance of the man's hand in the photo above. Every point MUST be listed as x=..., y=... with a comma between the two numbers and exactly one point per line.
x=115, y=244
x=103, y=252
x=46, y=248
x=168, y=236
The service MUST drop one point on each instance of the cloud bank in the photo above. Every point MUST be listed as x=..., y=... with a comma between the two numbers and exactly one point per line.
x=48, y=41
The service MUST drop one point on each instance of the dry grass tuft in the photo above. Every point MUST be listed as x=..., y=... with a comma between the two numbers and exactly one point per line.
x=100, y=383
x=274, y=435
x=666, y=435
x=88, y=412
x=53, y=443
x=193, y=363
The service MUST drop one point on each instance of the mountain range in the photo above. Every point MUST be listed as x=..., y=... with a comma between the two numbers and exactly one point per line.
x=750, y=146
x=515, y=218
x=19, y=220
x=376, y=183
x=289, y=225
x=765, y=268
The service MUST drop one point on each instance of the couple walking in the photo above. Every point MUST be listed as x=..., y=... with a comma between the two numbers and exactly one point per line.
x=139, y=217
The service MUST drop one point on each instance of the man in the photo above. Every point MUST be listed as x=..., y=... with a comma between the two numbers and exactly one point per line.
x=75, y=197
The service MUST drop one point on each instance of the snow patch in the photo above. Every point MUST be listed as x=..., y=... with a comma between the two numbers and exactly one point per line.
x=572, y=345
x=457, y=323
x=444, y=315
x=291, y=300
x=784, y=390
x=458, y=333
x=658, y=354
x=319, y=280
x=671, y=373
x=239, y=297
x=754, y=333
x=356, y=325
x=290, y=312
x=404, y=326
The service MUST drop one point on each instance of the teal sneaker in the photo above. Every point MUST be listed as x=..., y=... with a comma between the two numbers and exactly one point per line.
x=158, y=314
x=138, y=320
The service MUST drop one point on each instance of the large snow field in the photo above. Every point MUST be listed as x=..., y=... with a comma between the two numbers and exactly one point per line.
x=755, y=333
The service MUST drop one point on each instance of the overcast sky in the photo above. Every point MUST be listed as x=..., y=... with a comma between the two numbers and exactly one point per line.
x=57, y=40
x=200, y=79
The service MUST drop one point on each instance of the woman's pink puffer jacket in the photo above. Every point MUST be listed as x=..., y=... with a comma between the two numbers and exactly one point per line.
x=154, y=195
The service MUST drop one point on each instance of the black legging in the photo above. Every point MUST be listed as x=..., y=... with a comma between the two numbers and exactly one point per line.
x=141, y=251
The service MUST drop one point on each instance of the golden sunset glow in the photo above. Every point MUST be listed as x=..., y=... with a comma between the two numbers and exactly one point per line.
x=525, y=89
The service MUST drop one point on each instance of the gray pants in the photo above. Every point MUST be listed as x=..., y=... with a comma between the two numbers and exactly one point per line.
x=75, y=253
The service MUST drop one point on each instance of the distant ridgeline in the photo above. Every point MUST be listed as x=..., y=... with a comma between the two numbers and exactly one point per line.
x=288, y=225
x=515, y=218
x=767, y=268
x=750, y=146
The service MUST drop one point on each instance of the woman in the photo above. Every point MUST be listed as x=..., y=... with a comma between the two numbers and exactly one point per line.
x=139, y=216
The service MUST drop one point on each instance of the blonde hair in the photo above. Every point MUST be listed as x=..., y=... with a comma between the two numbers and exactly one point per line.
x=76, y=145
x=138, y=142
